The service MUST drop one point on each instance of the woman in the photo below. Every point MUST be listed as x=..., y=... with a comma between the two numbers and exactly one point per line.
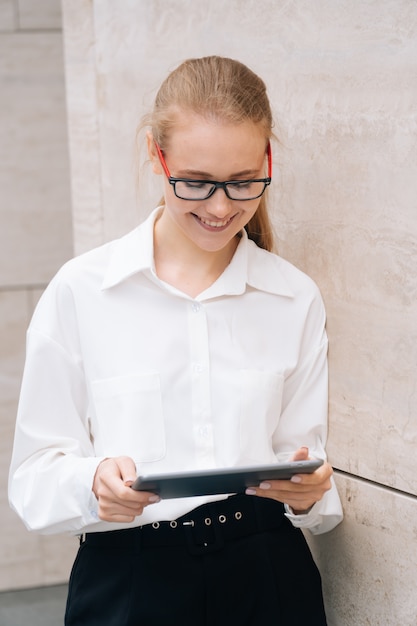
x=187, y=344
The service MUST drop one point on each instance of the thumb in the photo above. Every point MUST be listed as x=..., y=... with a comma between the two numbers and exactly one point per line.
x=301, y=454
x=127, y=469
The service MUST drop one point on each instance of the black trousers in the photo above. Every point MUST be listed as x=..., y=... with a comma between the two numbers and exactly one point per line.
x=238, y=561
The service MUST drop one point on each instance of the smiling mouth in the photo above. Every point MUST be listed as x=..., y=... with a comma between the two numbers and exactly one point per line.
x=212, y=224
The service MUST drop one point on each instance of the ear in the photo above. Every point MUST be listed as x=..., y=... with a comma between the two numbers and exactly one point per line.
x=153, y=155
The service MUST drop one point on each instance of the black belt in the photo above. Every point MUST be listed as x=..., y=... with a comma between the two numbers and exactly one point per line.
x=205, y=529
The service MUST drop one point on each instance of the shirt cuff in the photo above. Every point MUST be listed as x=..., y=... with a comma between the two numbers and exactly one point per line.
x=303, y=520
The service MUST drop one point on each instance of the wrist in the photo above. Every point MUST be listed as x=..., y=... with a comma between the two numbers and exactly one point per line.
x=299, y=511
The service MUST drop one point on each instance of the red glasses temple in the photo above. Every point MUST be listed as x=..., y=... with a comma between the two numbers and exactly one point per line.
x=167, y=172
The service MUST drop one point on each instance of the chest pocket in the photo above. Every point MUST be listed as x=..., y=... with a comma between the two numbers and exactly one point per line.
x=128, y=417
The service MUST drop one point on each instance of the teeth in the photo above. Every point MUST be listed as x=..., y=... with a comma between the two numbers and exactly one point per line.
x=214, y=224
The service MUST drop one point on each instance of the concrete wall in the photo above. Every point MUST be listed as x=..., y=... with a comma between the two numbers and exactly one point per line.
x=342, y=78
x=35, y=239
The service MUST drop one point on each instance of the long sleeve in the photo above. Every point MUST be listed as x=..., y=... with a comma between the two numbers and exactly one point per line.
x=304, y=419
x=53, y=462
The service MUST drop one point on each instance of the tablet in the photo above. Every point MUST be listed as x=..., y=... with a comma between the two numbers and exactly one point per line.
x=226, y=480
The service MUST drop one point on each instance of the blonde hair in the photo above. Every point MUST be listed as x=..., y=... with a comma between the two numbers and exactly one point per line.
x=221, y=89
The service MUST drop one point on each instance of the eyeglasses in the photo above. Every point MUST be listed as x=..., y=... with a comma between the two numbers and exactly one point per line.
x=192, y=189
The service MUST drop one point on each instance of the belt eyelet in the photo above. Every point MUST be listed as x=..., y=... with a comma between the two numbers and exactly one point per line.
x=238, y=515
x=173, y=524
x=155, y=525
x=207, y=521
x=222, y=519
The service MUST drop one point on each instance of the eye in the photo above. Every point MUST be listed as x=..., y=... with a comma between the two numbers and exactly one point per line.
x=243, y=185
x=196, y=184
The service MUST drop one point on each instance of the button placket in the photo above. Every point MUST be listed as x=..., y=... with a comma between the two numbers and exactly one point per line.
x=201, y=404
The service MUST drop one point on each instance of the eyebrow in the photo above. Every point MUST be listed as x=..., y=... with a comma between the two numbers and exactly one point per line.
x=197, y=174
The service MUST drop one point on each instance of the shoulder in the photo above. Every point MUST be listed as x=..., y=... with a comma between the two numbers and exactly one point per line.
x=279, y=274
x=80, y=278
x=92, y=267
x=86, y=270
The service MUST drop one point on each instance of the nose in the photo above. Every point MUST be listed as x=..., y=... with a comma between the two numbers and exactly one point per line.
x=219, y=205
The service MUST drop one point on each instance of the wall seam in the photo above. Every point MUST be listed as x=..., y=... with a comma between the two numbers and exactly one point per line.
x=375, y=483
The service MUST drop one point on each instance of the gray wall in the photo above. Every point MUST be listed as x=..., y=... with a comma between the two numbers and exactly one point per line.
x=35, y=239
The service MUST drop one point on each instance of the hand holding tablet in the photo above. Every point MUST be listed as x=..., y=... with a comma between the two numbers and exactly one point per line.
x=220, y=481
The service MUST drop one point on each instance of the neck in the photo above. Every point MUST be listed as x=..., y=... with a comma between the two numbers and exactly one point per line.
x=182, y=264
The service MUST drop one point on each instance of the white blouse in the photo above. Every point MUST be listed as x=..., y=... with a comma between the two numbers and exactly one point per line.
x=121, y=363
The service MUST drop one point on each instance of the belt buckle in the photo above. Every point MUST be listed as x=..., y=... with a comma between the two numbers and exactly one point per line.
x=204, y=538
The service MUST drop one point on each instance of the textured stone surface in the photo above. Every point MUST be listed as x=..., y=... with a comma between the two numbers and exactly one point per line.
x=83, y=123
x=35, y=219
x=369, y=562
x=39, y=14
x=7, y=15
x=26, y=559
x=35, y=239
x=347, y=215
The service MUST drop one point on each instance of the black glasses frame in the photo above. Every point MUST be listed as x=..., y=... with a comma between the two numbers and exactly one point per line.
x=216, y=184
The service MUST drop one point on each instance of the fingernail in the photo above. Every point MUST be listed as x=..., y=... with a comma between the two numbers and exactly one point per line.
x=296, y=479
x=265, y=486
x=154, y=499
x=250, y=492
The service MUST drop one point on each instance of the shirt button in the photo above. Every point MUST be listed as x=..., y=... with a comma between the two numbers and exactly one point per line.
x=195, y=307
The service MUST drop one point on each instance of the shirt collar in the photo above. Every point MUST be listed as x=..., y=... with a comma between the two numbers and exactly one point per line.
x=250, y=265
x=131, y=254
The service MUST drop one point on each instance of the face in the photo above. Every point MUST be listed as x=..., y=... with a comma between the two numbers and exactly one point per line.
x=209, y=150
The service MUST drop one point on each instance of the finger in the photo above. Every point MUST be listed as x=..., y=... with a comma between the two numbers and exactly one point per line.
x=111, y=506
x=118, y=514
x=319, y=477
x=130, y=500
x=110, y=509
x=297, y=501
x=127, y=469
x=301, y=454
x=309, y=486
x=110, y=483
x=285, y=486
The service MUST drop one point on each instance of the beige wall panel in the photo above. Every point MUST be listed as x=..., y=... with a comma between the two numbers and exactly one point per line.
x=33, y=245
x=369, y=563
x=29, y=560
x=25, y=559
x=346, y=214
x=39, y=14
x=33, y=298
x=35, y=227
x=115, y=61
x=83, y=124
x=13, y=322
x=7, y=15
x=373, y=403
x=35, y=239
